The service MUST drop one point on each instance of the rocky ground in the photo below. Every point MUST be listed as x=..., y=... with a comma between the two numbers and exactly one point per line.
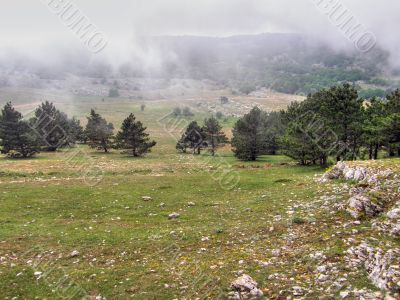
x=365, y=247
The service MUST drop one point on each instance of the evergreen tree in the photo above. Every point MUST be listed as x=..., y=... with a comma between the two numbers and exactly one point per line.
x=374, y=127
x=98, y=132
x=393, y=122
x=249, y=139
x=274, y=129
x=340, y=110
x=302, y=140
x=215, y=137
x=51, y=126
x=194, y=138
x=75, y=131
x=182, y=144
x=15, y=134
x=132, y=136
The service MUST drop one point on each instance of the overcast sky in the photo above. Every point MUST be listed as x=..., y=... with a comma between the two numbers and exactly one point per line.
x=30, y=22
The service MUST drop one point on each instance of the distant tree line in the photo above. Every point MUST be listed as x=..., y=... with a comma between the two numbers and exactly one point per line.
x=333, y=122
x=50, y=129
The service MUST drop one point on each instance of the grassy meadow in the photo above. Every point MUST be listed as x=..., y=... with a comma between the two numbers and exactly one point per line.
x=233, y=215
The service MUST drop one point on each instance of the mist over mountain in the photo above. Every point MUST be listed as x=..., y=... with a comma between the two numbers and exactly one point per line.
x=290, y=63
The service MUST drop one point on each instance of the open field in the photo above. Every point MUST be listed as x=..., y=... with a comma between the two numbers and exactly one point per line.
x=130, y=249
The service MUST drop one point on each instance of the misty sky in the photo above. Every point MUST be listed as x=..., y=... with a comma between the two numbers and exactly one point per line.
x=30, y=22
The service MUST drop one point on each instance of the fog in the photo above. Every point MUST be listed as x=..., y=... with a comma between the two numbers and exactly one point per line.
x=30, y=29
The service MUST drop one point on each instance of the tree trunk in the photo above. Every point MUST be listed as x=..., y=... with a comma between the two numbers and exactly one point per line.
x=391, y=153
x=370, y=151
x=376, y=151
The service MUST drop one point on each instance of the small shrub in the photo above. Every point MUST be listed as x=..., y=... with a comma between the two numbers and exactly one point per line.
x=113, y=93
x=298, y=220
x=15, y=154
x=187, y=112
x=224, y=100
x=283, y=180
x=177, y=111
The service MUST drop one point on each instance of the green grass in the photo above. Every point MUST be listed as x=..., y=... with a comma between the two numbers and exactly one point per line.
x=109, y=219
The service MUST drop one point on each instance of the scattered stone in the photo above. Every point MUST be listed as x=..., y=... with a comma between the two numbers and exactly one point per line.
x=394, y=213
x=323, y=278
x=147, y=198
x=245, y=287
x=298, y=291
x=344, y=294
x=74, y=253
x=321, y=269
x=276, y=252
x=190, y=204
x=173, y=215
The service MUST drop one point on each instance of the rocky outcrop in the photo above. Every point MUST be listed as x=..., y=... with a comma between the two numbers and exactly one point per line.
x=344, y=170
x=374, y=190
x=377, y=187
x=383, y=268
x=361, y=205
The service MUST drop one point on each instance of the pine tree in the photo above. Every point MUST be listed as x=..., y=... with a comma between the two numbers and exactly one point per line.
x=301, y=140
x=75, y=131
x=51, y=126
x=98, y=132
x=215, y=137
x=339, y=109
x=193, y=138
x=274, y=129
x=182, y=144
x=393, y=122
x=133, y=137
x=249, y=135
x=374, y=127
x=15, y=134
